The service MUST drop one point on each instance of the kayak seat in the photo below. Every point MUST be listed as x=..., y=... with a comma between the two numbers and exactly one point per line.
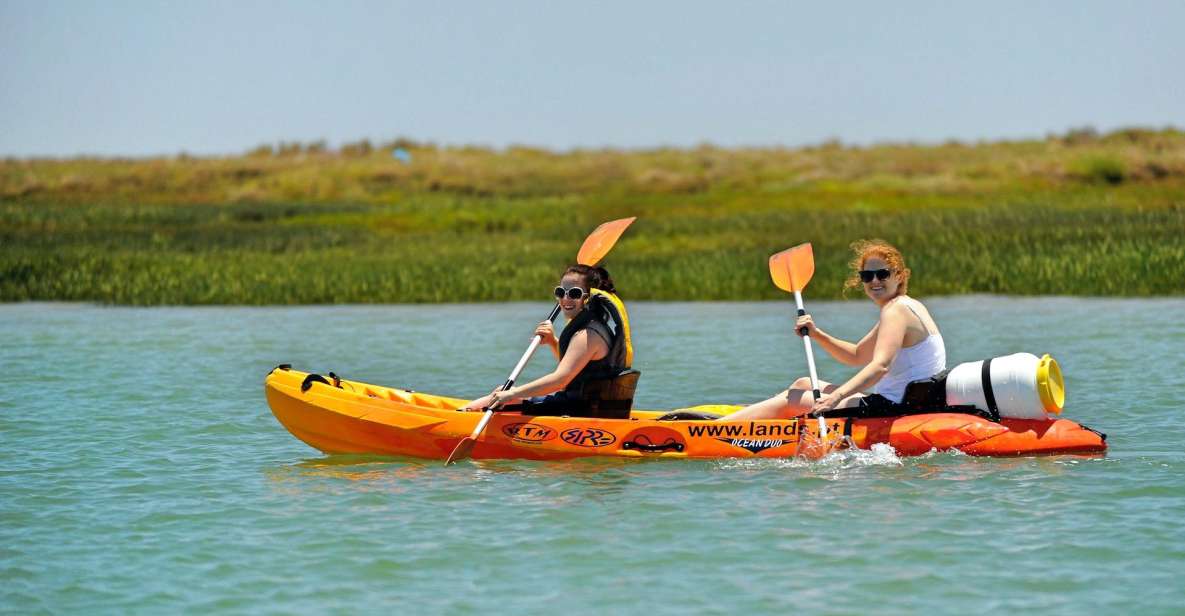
x=601, y=398
x=611, y=398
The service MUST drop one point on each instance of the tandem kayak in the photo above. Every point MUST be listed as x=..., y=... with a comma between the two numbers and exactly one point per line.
x=338, y=416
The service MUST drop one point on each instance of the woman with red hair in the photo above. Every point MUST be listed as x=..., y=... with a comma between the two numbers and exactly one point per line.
x=904, y=345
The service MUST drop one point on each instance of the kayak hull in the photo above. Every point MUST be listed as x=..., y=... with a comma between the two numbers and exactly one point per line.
x=354, y=417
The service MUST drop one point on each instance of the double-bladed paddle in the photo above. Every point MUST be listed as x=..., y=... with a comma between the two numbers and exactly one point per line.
x=791, y=270
x=595, y=247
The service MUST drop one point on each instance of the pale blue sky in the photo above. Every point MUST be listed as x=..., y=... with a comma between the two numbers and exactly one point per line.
x=207, y=77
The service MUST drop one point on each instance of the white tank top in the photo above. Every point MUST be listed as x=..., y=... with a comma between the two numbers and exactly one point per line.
x=920, y=361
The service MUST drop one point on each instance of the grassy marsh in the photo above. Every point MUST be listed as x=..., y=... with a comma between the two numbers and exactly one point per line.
x=1080, y=214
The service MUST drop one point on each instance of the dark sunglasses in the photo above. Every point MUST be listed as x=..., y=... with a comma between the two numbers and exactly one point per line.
x=572, y=293
x=880, y=274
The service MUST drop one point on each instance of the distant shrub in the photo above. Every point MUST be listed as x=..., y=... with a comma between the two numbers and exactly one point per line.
x=1080, y=136
x=1101, y=170
x=515, y=149
x=357, y=149
x=407, y=144
x=246, y=194
x=261, y=151
x=663, y=181
x=1156, y=170
x=289, y=148
x=1132, y=135
x=29, y=187
x=383, y=179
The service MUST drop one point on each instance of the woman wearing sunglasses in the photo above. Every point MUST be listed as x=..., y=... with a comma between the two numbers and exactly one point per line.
x=904, y=346
x=594, y=353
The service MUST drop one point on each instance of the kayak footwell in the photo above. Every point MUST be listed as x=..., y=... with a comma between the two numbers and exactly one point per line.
x=354, y=417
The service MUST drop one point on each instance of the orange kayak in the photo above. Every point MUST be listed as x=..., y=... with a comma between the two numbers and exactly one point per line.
x=338, y=416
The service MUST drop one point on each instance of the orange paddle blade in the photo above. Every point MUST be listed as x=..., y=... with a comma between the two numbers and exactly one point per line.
x=810, y=445
x=814, y=446
x=792, y=268
x=461, y=451
x=601, y=241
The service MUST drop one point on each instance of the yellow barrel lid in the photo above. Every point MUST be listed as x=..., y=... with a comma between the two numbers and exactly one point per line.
x=1050, y=385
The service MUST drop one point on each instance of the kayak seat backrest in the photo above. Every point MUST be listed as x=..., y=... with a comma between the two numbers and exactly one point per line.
x=611, y=398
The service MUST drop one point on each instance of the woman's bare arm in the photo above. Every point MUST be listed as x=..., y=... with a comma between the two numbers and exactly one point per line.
x=845, y=352
x=885, y=340
x=582, y=349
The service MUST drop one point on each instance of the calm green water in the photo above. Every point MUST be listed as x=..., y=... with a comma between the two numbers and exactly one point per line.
x=142, y=472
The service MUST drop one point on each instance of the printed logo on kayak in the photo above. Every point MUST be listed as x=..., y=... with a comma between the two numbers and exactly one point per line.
x=525, y=432
x=750, y=431
x=787, y=431
x=754, y=446
x=588, y=437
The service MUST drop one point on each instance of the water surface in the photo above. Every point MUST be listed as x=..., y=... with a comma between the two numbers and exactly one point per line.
x=142, y=472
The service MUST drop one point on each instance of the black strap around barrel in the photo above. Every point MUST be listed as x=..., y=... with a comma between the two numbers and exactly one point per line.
x=988, y=395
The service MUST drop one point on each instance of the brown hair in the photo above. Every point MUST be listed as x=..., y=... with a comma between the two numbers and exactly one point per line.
x=594, y=277
x=864, y=249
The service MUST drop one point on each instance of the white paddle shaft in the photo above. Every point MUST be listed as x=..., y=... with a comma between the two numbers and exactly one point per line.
x=481, y=425
x=518, y=368
x=810, y=353
x=522, y=362
x=810, y=363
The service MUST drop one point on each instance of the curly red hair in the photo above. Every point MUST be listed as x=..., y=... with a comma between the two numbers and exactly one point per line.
x=864, y=249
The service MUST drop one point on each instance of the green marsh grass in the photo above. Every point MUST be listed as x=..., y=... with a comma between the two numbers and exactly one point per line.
x=1081, y=214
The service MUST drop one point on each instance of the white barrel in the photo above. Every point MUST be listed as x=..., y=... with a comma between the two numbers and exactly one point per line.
x=1024, y=386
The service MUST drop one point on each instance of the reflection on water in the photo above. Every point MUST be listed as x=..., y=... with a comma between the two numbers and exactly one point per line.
x=600, y=476
x=395, y=473
x=364, y=472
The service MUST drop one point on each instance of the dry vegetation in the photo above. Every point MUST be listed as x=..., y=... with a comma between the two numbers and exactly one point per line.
x=1080, y=213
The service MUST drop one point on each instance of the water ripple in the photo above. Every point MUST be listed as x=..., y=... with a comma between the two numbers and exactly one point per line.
x=142, y=473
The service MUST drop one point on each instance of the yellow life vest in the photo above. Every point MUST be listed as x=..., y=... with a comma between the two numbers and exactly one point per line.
x=618, y=320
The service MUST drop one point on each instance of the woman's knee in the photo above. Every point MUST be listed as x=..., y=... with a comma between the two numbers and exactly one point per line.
x=802, y=383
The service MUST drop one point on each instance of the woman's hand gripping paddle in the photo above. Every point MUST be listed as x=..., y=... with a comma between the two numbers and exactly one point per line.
x=791, y=270
x=595, y=247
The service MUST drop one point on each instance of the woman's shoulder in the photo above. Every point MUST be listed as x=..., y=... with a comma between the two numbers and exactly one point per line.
x=897, y=305
x=905, y=302
x=902, y=307
x=911, y=310
x=599, y=334
x=916, y=305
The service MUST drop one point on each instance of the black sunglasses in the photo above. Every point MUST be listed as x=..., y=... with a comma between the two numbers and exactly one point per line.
x=572, y=293
x=880, y=274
